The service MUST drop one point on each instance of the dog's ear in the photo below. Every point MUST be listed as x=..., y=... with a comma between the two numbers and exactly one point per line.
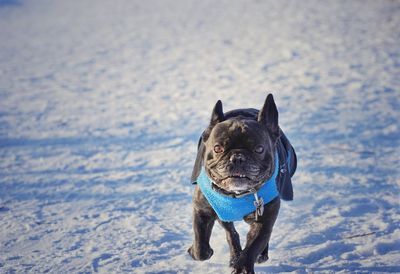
x=199, y=160
x=268, y=116
x=217, y=116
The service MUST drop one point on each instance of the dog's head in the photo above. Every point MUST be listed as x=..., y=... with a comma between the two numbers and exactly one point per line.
x=238, y=150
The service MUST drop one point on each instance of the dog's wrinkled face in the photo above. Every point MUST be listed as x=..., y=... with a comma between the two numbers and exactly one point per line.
x=239, y=152
x=239, y=156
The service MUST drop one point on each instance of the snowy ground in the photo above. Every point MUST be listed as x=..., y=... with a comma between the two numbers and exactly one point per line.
x=102, y=103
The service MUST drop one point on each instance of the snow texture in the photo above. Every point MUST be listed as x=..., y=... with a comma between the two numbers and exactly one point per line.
x=102, y=104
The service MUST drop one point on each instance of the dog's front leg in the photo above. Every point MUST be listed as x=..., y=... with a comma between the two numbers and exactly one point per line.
x=257, y=238
x=202, y=226
x=233, y=240
x=203, y=222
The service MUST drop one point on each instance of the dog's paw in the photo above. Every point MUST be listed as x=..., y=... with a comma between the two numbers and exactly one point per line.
x=233, y=261
x=262, y=258
x=243, y=271
x=242, y=266
x=200, y=254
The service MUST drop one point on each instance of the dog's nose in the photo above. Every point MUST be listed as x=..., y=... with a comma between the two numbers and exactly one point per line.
x=237, y=158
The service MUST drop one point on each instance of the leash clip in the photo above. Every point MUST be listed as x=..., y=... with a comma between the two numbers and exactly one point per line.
x=259, y=204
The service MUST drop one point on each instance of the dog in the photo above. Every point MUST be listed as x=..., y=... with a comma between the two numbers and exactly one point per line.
x=243, y=169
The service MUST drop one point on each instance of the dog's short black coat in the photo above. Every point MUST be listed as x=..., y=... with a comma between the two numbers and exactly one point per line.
x=238, y=132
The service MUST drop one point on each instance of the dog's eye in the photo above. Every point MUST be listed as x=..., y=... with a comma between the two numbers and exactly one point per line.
x=218, y=149
x=259, y=149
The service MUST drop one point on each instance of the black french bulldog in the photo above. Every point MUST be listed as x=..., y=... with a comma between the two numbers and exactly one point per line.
x=243, y=168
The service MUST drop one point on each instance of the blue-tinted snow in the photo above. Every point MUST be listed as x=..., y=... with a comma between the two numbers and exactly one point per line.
x=102, y=102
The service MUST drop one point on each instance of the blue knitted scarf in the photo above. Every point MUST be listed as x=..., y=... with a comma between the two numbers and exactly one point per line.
x=231, y=209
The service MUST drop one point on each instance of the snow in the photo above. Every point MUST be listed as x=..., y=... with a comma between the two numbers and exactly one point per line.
x=102, y=104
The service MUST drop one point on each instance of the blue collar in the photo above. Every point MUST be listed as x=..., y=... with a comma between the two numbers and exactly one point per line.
x=231, y=209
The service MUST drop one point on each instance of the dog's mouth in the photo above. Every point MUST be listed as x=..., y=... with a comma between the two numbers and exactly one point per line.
x=236, y=184
x=239, y=176
x=236, y=190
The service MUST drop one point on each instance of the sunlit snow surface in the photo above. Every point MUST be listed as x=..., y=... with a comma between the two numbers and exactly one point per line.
x=102, y=104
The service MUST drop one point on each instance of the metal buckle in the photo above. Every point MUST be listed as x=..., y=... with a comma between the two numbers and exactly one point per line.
x=259, y=204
